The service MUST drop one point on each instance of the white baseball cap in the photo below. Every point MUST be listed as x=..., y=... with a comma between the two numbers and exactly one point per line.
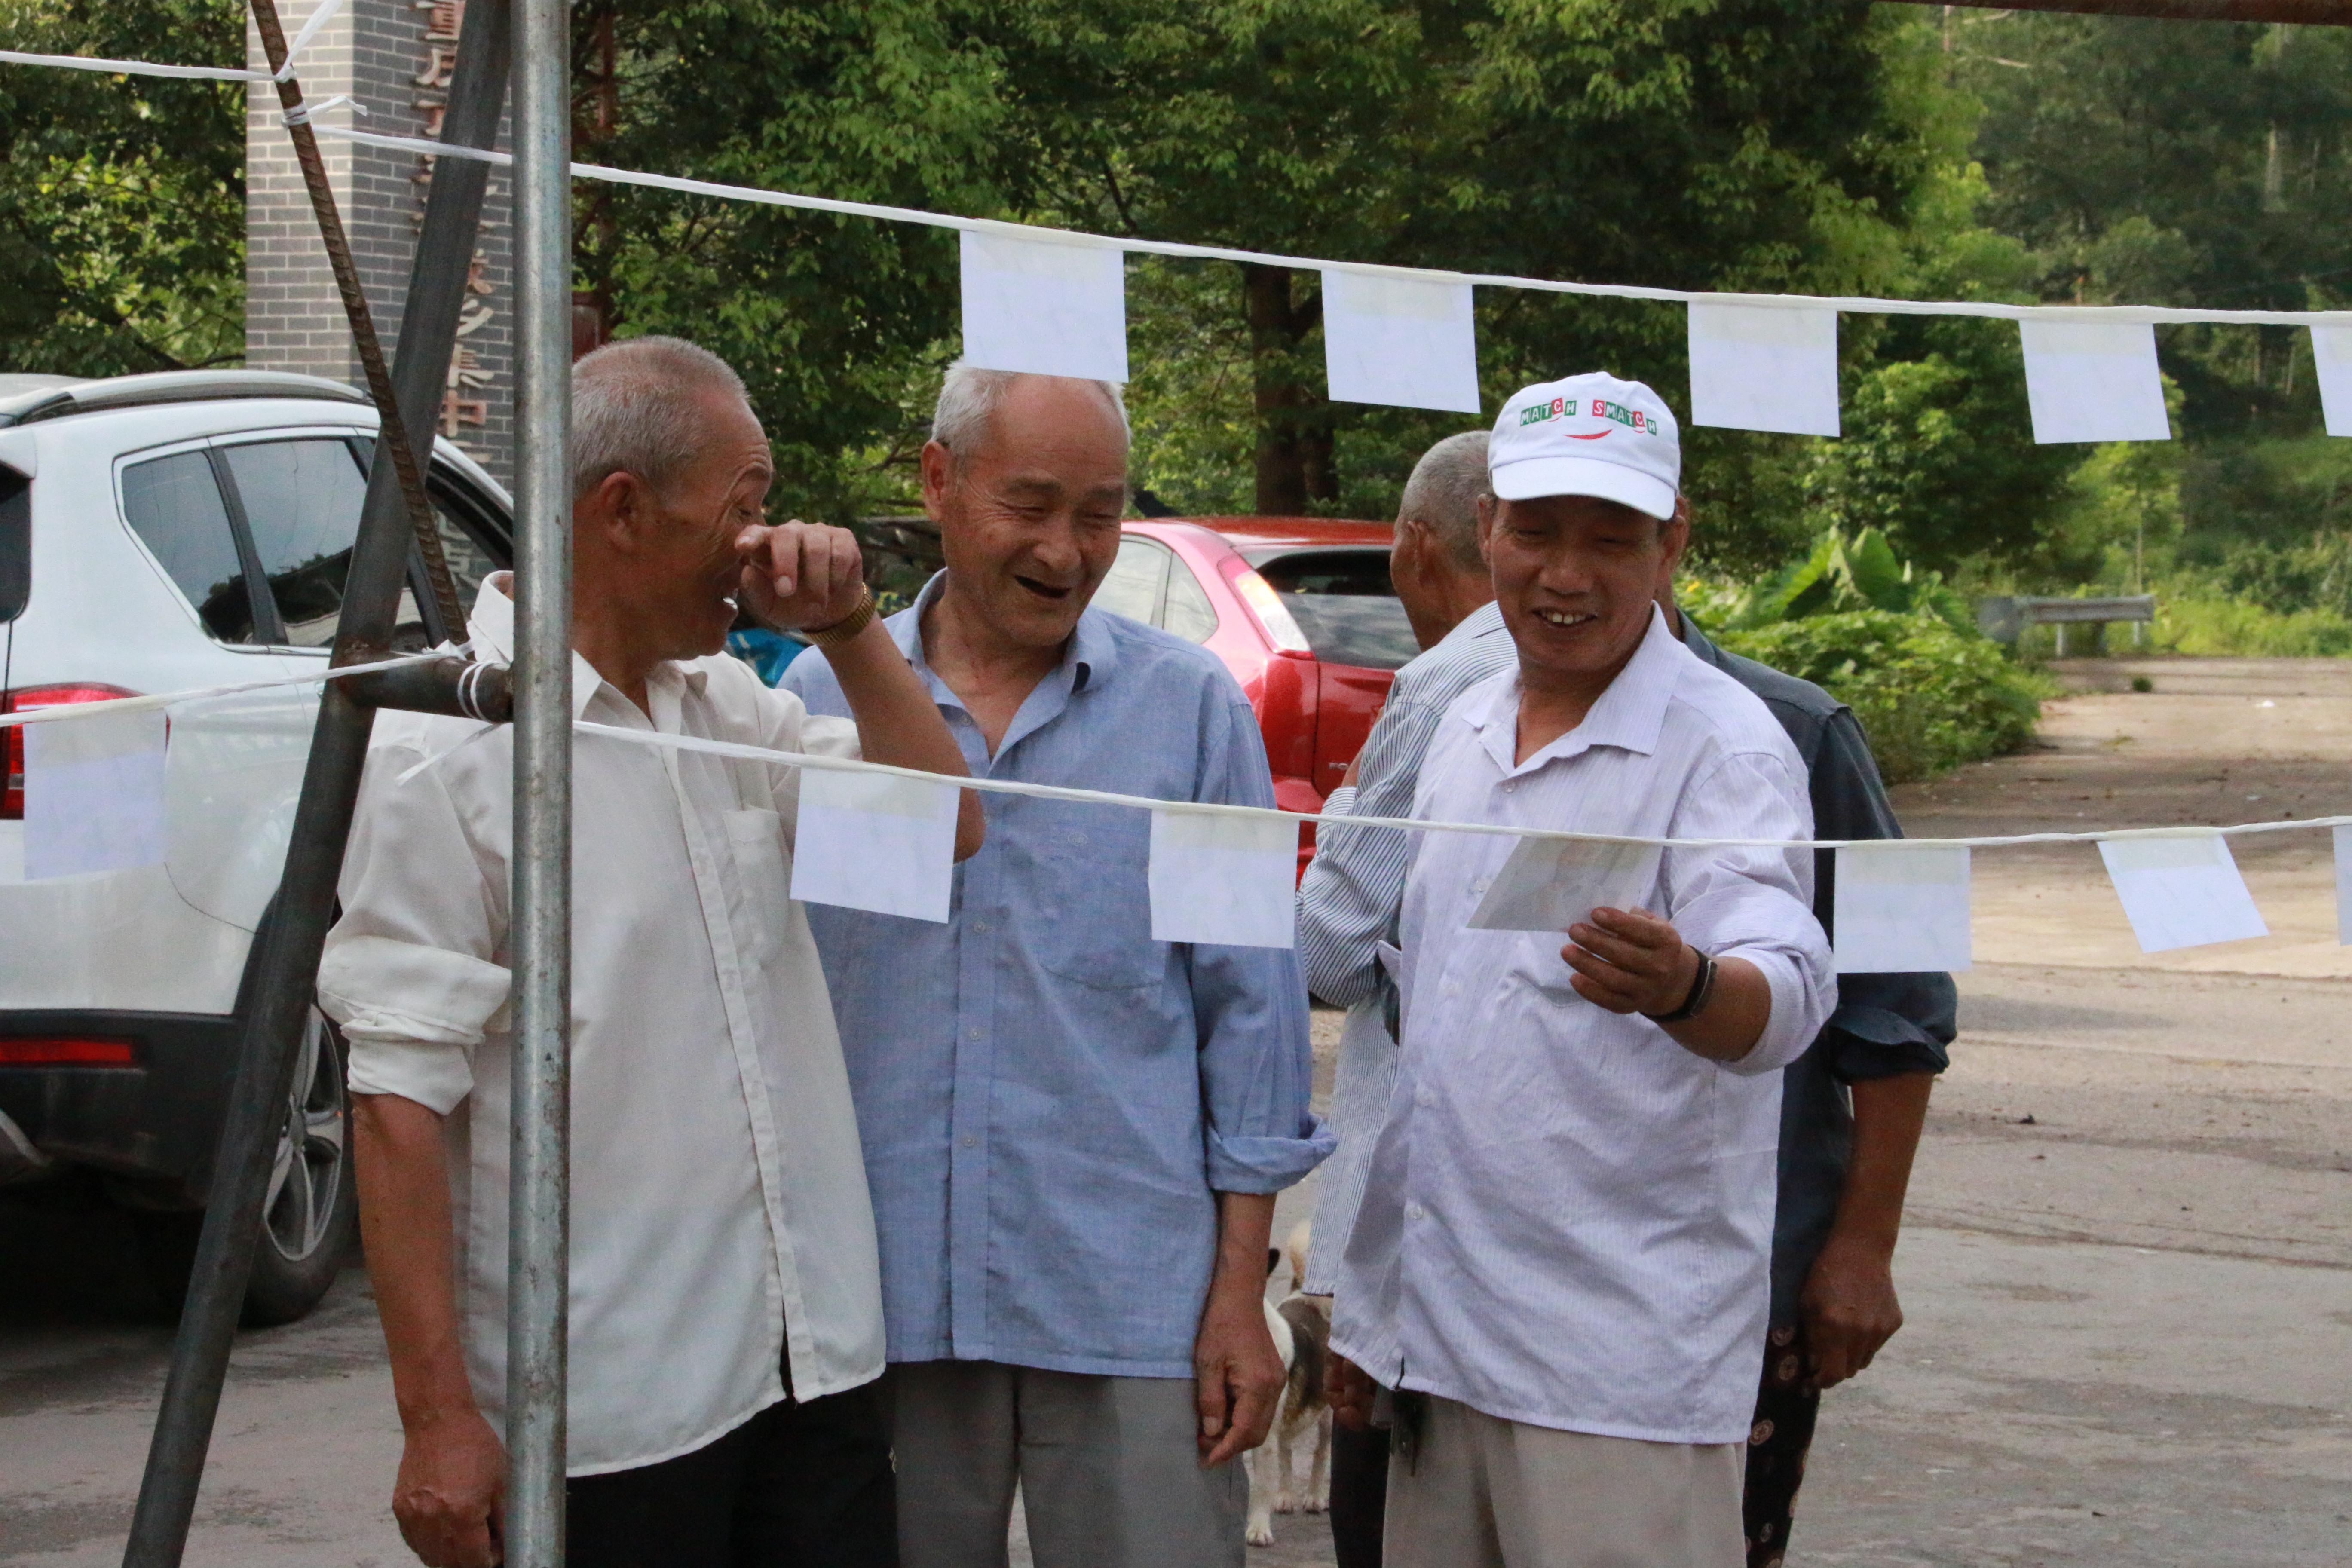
x=1589, y=435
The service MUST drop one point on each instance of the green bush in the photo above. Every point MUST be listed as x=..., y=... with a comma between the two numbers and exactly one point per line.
x=2230, y=627
x=1929, y=696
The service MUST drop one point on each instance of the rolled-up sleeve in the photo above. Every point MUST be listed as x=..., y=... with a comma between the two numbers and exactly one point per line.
x=411, y=971
x=1755, y=903
x=1249, y=1004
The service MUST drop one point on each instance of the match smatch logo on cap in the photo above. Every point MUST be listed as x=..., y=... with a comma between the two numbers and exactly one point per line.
x=1557, y=408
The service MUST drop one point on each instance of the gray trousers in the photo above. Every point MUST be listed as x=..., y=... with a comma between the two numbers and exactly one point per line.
x=1109, y=1471
x=1483, y=1492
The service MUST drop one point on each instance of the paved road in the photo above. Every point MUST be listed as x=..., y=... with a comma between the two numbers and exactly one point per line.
x=2130, y=1335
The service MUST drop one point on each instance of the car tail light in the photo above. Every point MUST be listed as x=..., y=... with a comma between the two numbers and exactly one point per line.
x=12, y=738
x=1271, y=614
x=64, y=1052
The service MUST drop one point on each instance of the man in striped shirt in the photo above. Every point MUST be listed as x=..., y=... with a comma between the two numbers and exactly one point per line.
x=1561, y=1259
x=1347, y=900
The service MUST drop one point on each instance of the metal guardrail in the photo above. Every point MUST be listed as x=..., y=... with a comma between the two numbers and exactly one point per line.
x=2005, y=618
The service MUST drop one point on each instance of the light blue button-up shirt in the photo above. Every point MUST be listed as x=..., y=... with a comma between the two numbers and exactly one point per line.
x=1048, y=1097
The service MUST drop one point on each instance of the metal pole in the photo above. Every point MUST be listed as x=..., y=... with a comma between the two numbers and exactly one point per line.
x=538, y=1270
x=291, y=938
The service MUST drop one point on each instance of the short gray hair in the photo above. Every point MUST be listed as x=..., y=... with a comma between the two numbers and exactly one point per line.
x=970, y=397
x=633, y=409
x=1445, y=491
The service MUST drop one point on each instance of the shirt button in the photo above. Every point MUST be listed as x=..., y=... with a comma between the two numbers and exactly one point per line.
x=1509, y=785
x=1412, y=1211
x=1423, y=1098
x=969, y=1141
x=980, y=926
x=973, y=1033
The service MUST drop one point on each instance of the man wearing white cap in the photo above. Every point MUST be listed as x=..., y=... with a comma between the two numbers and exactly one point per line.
x=1561, y=1267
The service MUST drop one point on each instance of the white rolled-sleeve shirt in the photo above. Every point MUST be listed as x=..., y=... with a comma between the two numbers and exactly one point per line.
x=1568, y=1221
x=720, y=1217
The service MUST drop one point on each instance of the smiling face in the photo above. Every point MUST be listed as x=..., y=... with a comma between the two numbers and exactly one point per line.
x=681, y=539
x=1029, y=518
x=1575, y=577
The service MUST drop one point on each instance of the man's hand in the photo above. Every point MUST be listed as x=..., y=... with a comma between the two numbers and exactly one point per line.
x=1849, y=1310
x=1348, y=1390
x=1239, y=1376
x=451, y=1492
x=800, y=575
x=1630, y=961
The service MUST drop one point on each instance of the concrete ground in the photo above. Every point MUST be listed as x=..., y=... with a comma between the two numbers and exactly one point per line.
x=2130, y=1332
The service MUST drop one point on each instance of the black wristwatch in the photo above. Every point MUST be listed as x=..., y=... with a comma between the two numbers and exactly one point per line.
x=1702, y=988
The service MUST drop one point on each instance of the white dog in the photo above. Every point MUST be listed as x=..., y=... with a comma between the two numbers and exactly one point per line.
x=1301, y=1326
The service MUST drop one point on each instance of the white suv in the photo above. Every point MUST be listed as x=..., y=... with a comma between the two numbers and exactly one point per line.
x=157, y=533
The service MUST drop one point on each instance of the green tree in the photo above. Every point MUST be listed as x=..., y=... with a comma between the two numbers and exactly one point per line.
x=122, y=198
x=2163, y=163
x=839, y=325
x=1742, y=144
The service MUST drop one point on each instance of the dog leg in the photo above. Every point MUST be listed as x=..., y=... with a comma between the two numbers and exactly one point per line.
x=1286, y=1501
x=1260, y=1530
x=1319, y=1479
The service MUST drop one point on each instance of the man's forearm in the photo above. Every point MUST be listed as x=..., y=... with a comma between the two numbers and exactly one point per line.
x=1888, y=1115
x=404, y=1223
x=898, y=724
x=1245, y=1232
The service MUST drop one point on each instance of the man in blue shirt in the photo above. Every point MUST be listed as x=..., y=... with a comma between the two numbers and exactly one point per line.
x=1073, y=1133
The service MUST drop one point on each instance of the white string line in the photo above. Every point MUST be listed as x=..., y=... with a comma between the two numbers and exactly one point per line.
x=319, y=17
x=59, y=710
x=1856, y=304
x=132, y=68
x=1414, y=825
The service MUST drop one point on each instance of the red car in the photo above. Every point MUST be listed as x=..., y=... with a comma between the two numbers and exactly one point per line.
x=1301, y=611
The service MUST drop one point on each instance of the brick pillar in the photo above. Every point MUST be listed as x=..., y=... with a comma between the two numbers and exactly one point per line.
x=394, y=56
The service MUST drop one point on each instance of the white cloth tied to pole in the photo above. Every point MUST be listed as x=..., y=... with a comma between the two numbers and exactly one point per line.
x=1901, y=907
x=94, y=795
x=876, y=842
x=2343, y=836
x=1227, y=880
x=2182, y=890
x=1407, y=342
x=1046, y=307
x=2331, y=355
x=1764, y=368
x=2094, y=381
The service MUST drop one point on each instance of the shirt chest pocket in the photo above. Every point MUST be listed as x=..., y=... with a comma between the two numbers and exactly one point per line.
x=1093, y=910
x=763, y=882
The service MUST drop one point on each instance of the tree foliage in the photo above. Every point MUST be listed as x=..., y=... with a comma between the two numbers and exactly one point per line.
x=1733, y=143
x=839, y=325
x=122, y=198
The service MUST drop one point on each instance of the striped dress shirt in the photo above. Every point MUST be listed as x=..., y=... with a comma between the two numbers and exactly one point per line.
x=1568, y=1219
x=1348, y=905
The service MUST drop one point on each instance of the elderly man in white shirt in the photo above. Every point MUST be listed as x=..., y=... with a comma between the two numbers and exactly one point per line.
x=1561, y=1262
x=726, y=1316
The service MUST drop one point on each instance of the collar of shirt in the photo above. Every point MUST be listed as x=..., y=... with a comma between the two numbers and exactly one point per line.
x=1088, y=659
x=492, y=629
x=1629, y=714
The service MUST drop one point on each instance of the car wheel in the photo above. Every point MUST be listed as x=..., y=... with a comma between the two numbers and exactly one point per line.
x=309, y=1214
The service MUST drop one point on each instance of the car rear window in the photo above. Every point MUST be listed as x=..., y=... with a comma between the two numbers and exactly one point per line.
x=175, y=505
x=1343, y=601
x=15, y=542
x=303, y=503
